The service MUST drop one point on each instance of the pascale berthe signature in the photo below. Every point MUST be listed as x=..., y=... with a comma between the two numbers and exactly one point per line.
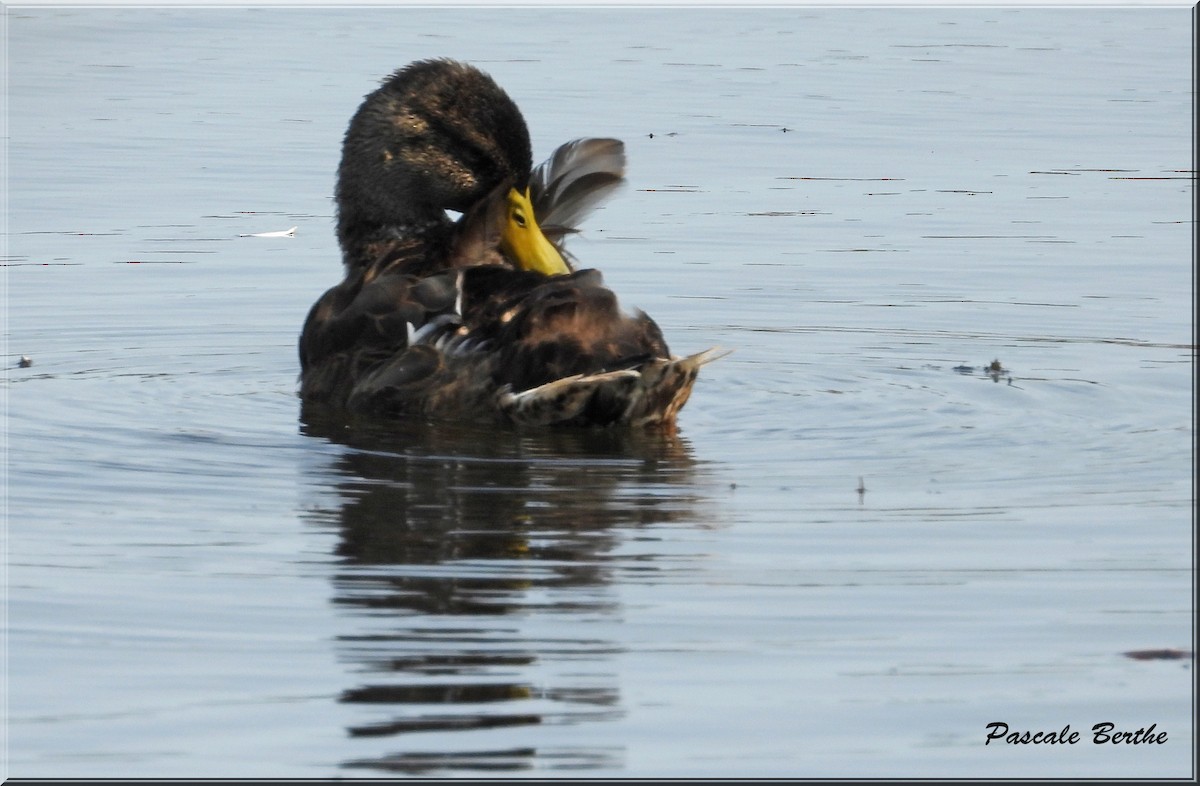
x=1102, y=734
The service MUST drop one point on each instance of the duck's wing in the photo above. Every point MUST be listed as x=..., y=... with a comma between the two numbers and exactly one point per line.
x=578, y=176
x=364, y=321
x=546, y=328
x=565, y=353
x=650, y=395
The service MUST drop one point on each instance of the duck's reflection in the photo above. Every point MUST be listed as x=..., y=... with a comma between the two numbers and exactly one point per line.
x=472, y=561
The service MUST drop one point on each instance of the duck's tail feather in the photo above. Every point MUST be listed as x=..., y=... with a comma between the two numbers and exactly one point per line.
x=649, y=395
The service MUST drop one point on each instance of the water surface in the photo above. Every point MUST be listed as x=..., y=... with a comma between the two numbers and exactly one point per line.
x=859, y=548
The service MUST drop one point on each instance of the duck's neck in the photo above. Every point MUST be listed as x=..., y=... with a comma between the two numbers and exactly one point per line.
x=364, y=239
x=375, y=213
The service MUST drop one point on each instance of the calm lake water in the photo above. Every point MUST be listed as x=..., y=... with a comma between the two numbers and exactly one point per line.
x=859, y=550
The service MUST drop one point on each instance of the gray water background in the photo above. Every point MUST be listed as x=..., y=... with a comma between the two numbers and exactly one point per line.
x=860, y=548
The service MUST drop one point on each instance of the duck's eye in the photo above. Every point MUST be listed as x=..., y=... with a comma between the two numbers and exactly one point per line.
x=518, y=218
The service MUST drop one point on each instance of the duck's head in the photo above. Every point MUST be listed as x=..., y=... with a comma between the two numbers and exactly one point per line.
x=440, y=135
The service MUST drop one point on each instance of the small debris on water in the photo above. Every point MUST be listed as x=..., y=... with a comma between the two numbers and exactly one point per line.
x=995, y=370
x=1163, y=654
x=25, y=361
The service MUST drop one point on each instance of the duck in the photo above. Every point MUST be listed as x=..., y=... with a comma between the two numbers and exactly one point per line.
x=459, y=300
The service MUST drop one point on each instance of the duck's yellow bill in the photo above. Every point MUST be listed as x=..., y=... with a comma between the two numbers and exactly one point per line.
x=523, y=240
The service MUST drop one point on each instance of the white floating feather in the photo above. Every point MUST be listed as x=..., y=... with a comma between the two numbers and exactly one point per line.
x=282, y=233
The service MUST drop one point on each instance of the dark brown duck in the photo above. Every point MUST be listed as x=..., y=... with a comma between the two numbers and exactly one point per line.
x=482, y=318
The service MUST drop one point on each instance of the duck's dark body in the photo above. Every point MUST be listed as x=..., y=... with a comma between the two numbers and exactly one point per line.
x=434, y=318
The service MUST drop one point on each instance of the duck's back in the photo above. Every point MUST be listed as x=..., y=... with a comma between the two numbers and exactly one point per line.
x=483, y=342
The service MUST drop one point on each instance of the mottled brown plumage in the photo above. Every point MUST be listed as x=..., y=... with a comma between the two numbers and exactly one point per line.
x=435, y=317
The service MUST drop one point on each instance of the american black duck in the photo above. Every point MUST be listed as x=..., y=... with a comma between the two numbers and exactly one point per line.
x=483, y=317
